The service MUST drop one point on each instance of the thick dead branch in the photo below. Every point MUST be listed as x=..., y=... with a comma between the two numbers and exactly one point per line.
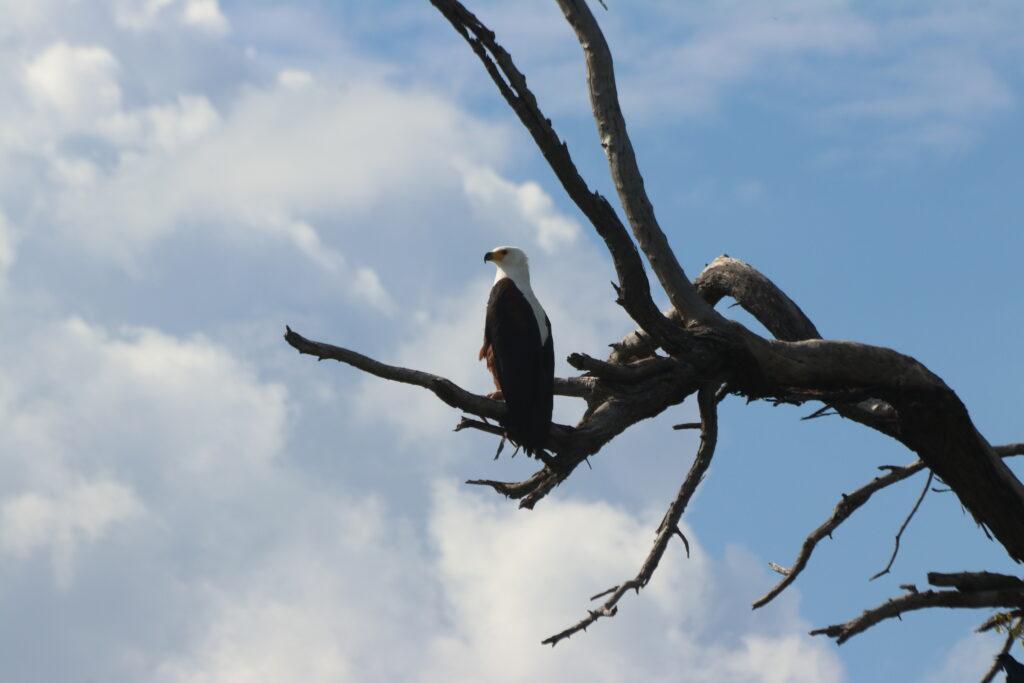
x=577, y=387
x=611, y=127
x=628, y=373
x=611, y=418
x=726, y=276
x=638, y=344
x=770, y=306
x=975, y=581
x=924, y=600
x=903, y=527
x=669, y=523
x=933, y=422
x=847, y=505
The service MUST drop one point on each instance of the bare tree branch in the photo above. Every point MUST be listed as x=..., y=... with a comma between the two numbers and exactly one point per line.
x=759, y=296
x=903, y=527
x=770, y=306
x=629, y=373
x=847, y=505
x=669, y=523
x=611, y=127
x=915, y=601
x=444, y=389
x=933, y=421
x=634, y=288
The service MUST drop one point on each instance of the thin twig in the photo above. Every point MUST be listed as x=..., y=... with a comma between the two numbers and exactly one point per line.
x=998, y=619
x=820, y=412
x=990, y=675
x=669, y=524
x=903, y=527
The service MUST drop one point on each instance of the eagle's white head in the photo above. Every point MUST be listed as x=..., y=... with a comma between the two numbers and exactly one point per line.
x=511, y=262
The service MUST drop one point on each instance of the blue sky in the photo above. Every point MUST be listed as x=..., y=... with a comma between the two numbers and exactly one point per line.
x=184, y=499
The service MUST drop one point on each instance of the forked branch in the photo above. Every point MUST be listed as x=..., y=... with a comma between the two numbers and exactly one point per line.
x=634, y=288
x=847, y=505
x=611, y=128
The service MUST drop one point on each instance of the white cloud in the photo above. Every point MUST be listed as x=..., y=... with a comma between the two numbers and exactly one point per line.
x=474, y=605
x=180, y=422
x=513, y=577
x=928, y=77
x=79, y=83
x=931, y=101
x=164, y=127
x=521, y=208
x=733, y=43
x=80, y=514
x=294, y=78
x=203, y=15
x=7, y=250
x=320, y=149
x=81, y=400
x=321, y=152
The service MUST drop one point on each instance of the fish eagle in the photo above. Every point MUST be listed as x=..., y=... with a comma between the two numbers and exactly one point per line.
x=519, y=351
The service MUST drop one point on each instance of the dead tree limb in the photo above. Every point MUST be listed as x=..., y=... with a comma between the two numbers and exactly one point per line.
x=847, y=505
x=983, y=597
x=669, y=526
x=611, y=129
